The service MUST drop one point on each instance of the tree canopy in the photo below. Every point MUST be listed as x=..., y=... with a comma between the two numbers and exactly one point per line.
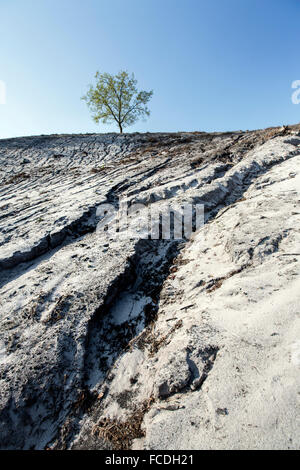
x=116, y=98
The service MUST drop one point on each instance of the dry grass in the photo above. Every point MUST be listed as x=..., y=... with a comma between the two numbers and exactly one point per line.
x=156, y=344
x=147, y=338
x=120, y=434
x=17, y=178
x=217, y=283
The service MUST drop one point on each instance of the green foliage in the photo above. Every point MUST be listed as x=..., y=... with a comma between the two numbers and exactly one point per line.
x=116, y=98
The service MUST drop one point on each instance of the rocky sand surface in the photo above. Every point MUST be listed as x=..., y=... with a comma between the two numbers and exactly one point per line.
x=110, y=341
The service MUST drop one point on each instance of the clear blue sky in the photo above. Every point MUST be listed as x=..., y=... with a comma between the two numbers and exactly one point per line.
x=213, y=65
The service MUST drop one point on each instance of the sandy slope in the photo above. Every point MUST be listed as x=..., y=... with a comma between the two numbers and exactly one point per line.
x=169, y=344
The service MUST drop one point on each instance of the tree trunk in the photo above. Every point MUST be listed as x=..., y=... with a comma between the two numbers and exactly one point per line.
x=121, y=129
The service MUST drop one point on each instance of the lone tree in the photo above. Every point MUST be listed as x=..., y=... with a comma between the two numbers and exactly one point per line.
x=116, y=98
